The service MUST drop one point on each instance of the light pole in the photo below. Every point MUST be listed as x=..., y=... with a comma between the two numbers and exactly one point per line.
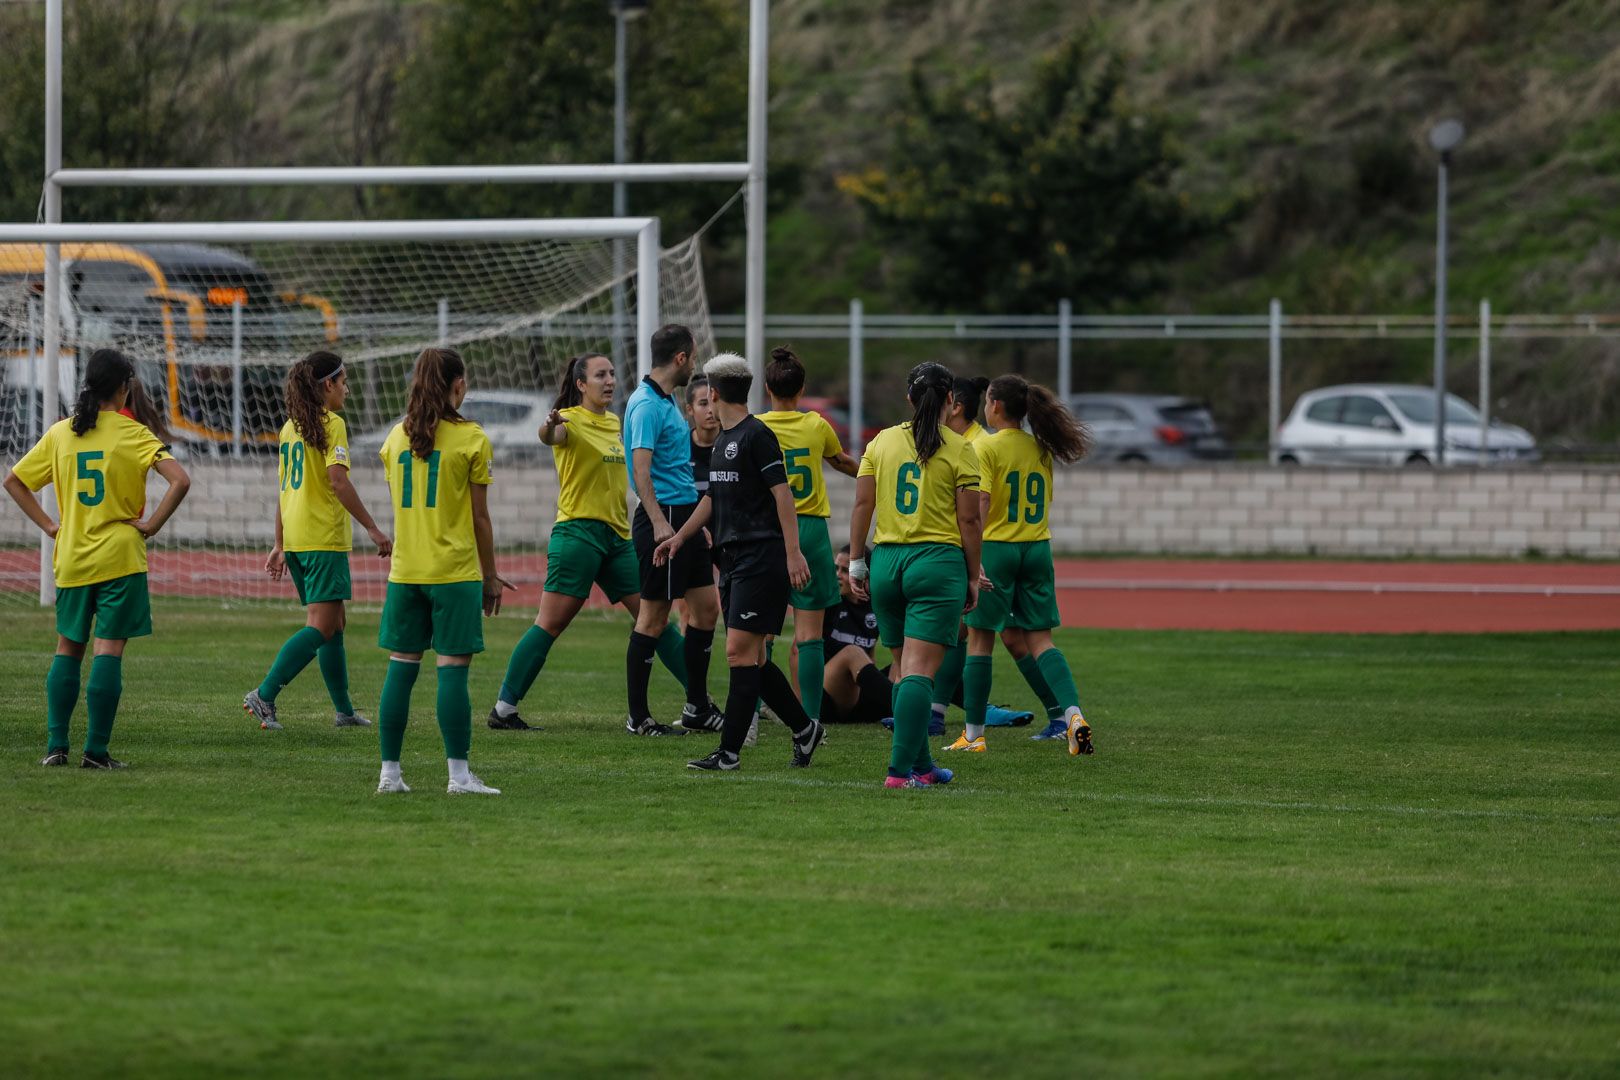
x=623, y=12
x=1444, y=137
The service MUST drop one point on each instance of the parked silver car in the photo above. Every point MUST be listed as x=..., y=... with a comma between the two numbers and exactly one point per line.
x=511, y=419
x=1158, y=429
x=1386, y=424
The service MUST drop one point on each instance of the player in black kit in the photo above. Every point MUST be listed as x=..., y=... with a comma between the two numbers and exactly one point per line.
x=750, y=511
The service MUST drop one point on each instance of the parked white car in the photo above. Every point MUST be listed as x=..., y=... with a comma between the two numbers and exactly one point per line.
x=511, y=419
x=1376, y=424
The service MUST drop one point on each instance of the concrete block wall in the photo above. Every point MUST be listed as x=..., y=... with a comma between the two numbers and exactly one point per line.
x=1228, y=510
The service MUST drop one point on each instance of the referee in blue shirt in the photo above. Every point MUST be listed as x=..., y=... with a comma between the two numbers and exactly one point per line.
x=659, y=458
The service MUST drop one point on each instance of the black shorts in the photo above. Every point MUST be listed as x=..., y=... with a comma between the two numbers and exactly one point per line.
x=869, y=708
x=754, y=589
x=691, y=567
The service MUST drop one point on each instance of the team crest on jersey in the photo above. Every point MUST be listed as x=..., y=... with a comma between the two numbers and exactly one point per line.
x=871, y=620
x=731, y=451
x=340, y=454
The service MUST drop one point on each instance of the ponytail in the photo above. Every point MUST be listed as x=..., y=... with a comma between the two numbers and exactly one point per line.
x=107, y=372
x=436, y=371
x=306, y=399
x=928, y=387
x=568, y=392
x=1058, y=434
x=784, y=375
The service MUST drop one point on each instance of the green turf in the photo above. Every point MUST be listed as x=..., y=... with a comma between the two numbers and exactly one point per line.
x=1290, y=856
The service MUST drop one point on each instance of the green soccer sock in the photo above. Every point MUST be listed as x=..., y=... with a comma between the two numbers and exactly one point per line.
x=61, y=695
x=527, y=660
x=1058, y=676
x=395, y=710
x=1031, y=671
x=294, y=656
x=101, y=696
x=672, y=651
x=975, y=693
x=335, y=671
x=455, y=711
x=949, y=676
x=910, y=743
x=812, y=665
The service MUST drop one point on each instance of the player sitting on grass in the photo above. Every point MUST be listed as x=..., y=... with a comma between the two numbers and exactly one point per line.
x=312, y=536
x=921, y=480
x=590, y=543
x=97, y=460
x=755, y=528
x=1015, y=482
x=443, y=571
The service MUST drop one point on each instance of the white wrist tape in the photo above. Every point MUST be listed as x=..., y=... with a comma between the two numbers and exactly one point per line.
x=857, y=568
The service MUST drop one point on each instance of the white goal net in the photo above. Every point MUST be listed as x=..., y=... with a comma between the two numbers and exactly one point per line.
x=213, y=329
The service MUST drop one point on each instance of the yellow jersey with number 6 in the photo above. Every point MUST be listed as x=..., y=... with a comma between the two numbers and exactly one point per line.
x=916, y=503
x=1017, y=475
x=100, y=480
x=312, y=519
x=806, y=439
x=433, y=526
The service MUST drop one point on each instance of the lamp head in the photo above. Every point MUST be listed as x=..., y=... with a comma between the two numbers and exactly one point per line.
x=1446, y=136
x=628, y=9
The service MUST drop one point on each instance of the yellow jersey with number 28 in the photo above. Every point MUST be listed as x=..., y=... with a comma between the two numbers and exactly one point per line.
x=433, y=527
x=916, y=503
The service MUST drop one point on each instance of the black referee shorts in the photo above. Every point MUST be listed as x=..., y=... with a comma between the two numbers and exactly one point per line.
x=691, y=568
x=754, y=588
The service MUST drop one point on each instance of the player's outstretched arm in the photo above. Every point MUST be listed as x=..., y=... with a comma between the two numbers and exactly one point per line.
x=844, y=463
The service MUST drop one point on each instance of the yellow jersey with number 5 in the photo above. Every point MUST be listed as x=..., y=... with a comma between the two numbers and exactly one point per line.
x=312, y=519
x=433, y=527
x=916, y=503
x=806, y=439
x=100, y=480
x=1017, y=475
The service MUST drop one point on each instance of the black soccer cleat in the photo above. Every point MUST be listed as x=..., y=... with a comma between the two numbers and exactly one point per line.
x=105, y=761
x=651, y=727
x=719, y=761
x=497, y=722
x=707, y=717
x=805, y=748
x=55, y=758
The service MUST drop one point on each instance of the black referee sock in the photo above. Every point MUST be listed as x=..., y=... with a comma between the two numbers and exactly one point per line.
x=698, y=644
x=740, y=700
x=638, y=660
x=778, y=694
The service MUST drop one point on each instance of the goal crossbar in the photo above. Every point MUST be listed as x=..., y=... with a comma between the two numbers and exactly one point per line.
x=403, y=174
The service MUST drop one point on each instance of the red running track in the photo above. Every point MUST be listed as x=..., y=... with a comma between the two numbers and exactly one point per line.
x=1309, y=597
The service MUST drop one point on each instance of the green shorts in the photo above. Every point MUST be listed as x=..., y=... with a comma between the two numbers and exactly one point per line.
x=448, y=618
x=119, y=608
x=822, y=591
x=320, y=576
x=583, y=552
x=1024, y=596
x=918, y=591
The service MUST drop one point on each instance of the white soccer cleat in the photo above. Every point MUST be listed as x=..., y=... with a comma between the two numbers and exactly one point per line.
x=392, y=785
x=471, y=785
x=753, y=731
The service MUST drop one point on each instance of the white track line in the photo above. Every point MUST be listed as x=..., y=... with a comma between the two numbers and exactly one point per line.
x=1373, y=587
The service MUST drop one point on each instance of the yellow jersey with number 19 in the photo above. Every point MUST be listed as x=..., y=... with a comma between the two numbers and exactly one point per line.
x=916, y=503
x=312, y=519
x=100, y=480
x=433, y=528
x=1017, y=475
x=592, y=482
x=806, y=439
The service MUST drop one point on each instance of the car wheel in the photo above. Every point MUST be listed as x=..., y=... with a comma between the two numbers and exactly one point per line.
x=1132, y=459
x=1287, y=459
x=1417, y=461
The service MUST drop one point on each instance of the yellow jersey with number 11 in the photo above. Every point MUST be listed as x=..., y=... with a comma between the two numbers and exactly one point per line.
x=433, y=528
x=916, y=503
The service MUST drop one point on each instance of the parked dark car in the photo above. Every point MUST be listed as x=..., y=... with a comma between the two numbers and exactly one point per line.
x=1158, y=429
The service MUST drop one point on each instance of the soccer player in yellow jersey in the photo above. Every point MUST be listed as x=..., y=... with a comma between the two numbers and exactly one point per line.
x=921, y=481
x=806, y=440
x=1015, y=481
x=443, y=569
x=312, y=536
x=98, y=461
x=590, y=543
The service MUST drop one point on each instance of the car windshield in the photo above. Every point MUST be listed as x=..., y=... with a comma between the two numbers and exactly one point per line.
x=1190, y=416
x=1419, y=408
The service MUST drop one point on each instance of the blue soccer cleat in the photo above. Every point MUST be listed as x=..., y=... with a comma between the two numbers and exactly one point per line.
x=1057, y=729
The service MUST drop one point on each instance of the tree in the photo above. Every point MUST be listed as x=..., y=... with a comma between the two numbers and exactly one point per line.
x=515, y=82
x=1066, y=192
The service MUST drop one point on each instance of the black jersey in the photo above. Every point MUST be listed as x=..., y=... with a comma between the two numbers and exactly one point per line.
x=700, y=466
x=745, y=464
x=850, y=623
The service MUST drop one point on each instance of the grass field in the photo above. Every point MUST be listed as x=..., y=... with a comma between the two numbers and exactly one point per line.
x=1291, y=855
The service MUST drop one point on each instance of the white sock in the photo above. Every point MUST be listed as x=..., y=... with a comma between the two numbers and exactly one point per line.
x=503, y=710
x=1074, y=711
x=939, y=710
x=390, y=770
x=974, y=731
x=458, y=768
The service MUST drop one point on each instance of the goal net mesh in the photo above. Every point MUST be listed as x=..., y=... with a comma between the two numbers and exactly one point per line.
x=214, y=329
